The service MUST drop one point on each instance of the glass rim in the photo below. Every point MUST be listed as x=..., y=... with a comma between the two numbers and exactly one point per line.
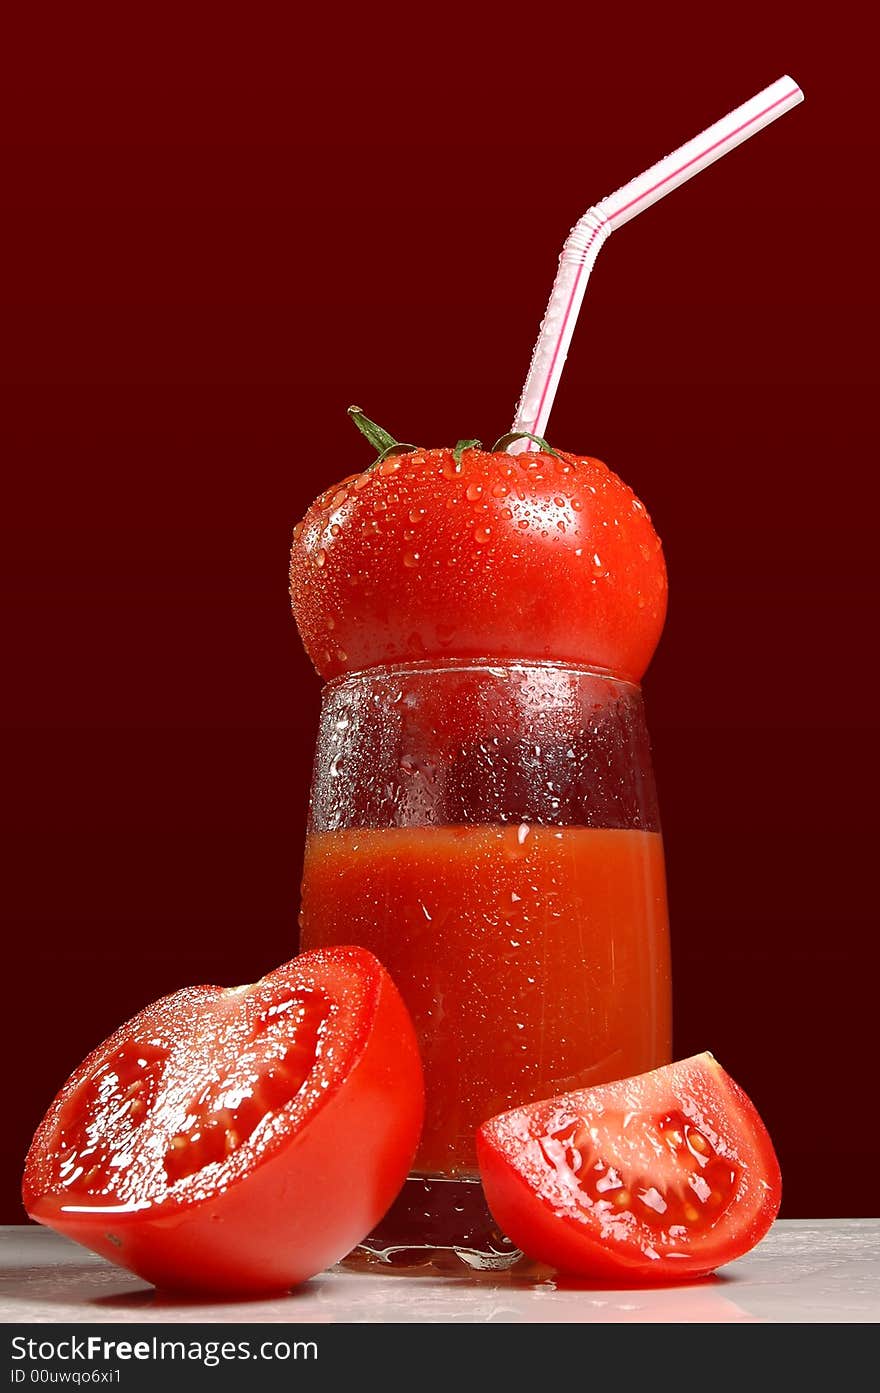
x=496, y=667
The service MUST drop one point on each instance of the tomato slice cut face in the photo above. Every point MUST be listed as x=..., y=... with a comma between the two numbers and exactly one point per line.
x=207, y=1143
x=661, y=1177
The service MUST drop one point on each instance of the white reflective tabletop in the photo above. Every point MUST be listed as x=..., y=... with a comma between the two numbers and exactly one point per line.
x=804, y=1271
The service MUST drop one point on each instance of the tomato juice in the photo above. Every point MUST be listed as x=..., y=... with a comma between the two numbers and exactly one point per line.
x=533, y=959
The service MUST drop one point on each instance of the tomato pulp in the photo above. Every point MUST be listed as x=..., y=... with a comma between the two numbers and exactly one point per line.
x=532, y=959
x=237, y=1139
x=658, y=1178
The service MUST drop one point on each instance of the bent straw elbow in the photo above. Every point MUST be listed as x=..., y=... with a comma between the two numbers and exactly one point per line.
x=576, y=261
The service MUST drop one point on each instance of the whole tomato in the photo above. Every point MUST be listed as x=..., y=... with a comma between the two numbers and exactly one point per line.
x=473, y=553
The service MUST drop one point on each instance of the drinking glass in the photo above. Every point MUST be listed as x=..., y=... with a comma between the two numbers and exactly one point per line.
x=491, y=833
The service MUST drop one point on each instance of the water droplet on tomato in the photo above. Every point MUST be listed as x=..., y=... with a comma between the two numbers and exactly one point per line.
x=482, y=535
x=416, y=515
x=474, y=492
x=320, y=557
x=335, y=529
x=500, y=490
x=410, y=559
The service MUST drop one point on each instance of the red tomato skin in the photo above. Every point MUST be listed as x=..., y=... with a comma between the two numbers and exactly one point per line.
x=305, y=1206
x=564, y=1239
x=532, y=556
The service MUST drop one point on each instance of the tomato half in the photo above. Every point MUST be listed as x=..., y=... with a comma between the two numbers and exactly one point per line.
x=237, y=1139
x=657, y=1178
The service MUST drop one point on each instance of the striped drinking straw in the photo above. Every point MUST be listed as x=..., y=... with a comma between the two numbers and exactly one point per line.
x=595, y=227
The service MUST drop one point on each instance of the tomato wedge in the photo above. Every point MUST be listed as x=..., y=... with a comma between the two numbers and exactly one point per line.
x=237, y=1140
x=657, y=1178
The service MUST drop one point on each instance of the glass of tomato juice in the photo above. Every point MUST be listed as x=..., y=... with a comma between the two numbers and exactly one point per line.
x=491, y=833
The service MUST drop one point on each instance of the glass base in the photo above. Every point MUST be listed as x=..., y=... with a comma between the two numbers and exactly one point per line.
x=438, y=1223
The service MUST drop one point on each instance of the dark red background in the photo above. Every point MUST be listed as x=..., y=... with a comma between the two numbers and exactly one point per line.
x=214, y=241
